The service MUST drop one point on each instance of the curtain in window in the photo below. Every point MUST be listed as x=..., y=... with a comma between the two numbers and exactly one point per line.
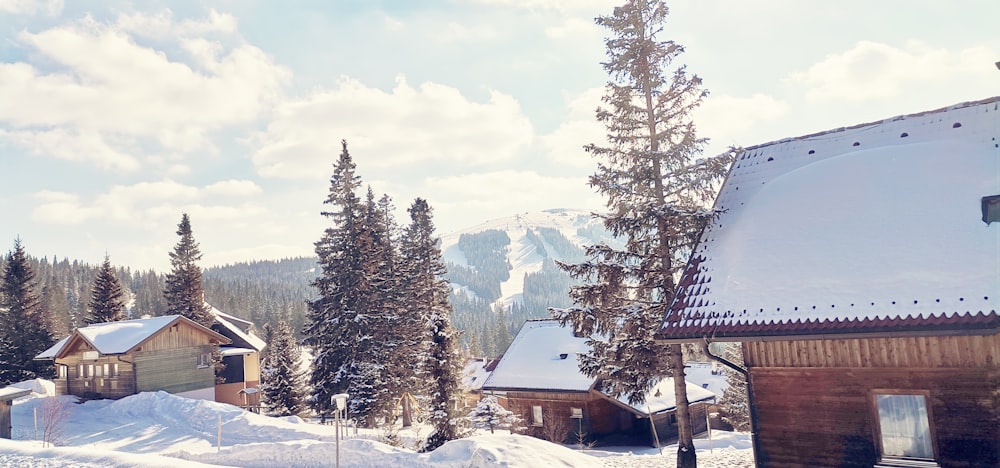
x=904, y=425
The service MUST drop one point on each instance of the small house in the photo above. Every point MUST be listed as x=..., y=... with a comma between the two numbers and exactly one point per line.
x=474, y=374
x=539, y=378
x=860, y=269
x=116, y=359
x=239, y=380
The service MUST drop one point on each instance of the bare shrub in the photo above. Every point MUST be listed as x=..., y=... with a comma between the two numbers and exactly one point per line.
x=52, y=415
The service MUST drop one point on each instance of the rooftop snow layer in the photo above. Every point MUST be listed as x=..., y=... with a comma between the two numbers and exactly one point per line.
x=662, y=397
x=114, y=337
x=871, y=226
x=534, y=360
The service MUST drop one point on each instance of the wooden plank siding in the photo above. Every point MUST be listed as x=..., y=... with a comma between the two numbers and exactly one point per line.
x=600, y=416
x=924, y=352
x=178, y=335
x=92, y=386
x=173, y=370
x=814, y=399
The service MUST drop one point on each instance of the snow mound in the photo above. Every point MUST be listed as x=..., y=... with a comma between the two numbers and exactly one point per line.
x=40, y=387
x=495, y=450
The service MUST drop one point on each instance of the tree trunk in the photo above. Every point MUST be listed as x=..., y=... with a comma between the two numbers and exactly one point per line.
x=686, y=456
x=407, y=415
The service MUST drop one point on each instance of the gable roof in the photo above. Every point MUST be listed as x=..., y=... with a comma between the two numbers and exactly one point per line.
x=122, y=336
x=871, y=229
x=534, y=361
x=236, y=329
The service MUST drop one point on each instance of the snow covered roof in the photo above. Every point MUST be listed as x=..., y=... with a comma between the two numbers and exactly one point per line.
x=542, y=356
x=10, y=393
x=231, y=328
x=868, y=229
x=662, y=397
x=120, y=337
x=474, y=374
x=230, y=351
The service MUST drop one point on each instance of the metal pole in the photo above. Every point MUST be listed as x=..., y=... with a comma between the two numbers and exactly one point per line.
x=337, y=422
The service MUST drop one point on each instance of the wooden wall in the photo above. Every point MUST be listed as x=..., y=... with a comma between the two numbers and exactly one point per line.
x=921, y=352
x=815, y=404
x=173, y=370
x=600, y=417
x=96, y=387
x=178, y=335
x=5, y=427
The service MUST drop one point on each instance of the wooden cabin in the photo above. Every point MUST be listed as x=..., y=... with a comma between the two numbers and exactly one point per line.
x=539, y=378
x=860, y=268
x=239, y=380
x=116, y=359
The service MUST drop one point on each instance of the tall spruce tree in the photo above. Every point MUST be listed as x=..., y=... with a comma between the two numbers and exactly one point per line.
x=26, y=331
x=283, y=381
x=338, y=322
x=427, y=295
x=184, y=292
x=107, y=298
x=657, y=193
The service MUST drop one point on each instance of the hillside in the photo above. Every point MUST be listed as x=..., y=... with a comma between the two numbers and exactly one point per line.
x=503, y=271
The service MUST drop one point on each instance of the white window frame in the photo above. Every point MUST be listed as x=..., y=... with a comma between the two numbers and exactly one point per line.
x=883, y=403
x=204, y=360
x=536, y=416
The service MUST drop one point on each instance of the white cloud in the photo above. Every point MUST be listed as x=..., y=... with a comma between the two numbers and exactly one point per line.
x=733, y=120
x=473, y=198
x=574, y=28
x=147, y=203
x=873, y=70
x=80, y=145
x=407, y=127
x=100, y=89
x=556, y=5
x=161, y=24
x=237, y=188
x=31, y=7
x=564, y=145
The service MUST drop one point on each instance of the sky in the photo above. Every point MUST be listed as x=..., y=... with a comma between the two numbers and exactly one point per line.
x=116, y=117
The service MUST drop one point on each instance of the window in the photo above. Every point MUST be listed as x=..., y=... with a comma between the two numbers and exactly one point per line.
x=204, y=360
x=111, y=370
x=81, y=371
x=536, y=415
x=991, y=209
x=62, y=371
x=99, y=371
x=904, y=430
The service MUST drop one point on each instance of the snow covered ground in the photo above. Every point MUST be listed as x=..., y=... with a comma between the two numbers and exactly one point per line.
x=164, y=430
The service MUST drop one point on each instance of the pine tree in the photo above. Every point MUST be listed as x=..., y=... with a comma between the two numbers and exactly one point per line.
x=337, y=322
x=488, y=414
x=283, y=381
x=656, y=193
x=427, y=295
x=25, y=332
x=184, y=292
x=107, y=298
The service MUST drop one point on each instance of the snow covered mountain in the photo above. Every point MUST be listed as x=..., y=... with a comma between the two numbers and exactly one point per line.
x=505, y=261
